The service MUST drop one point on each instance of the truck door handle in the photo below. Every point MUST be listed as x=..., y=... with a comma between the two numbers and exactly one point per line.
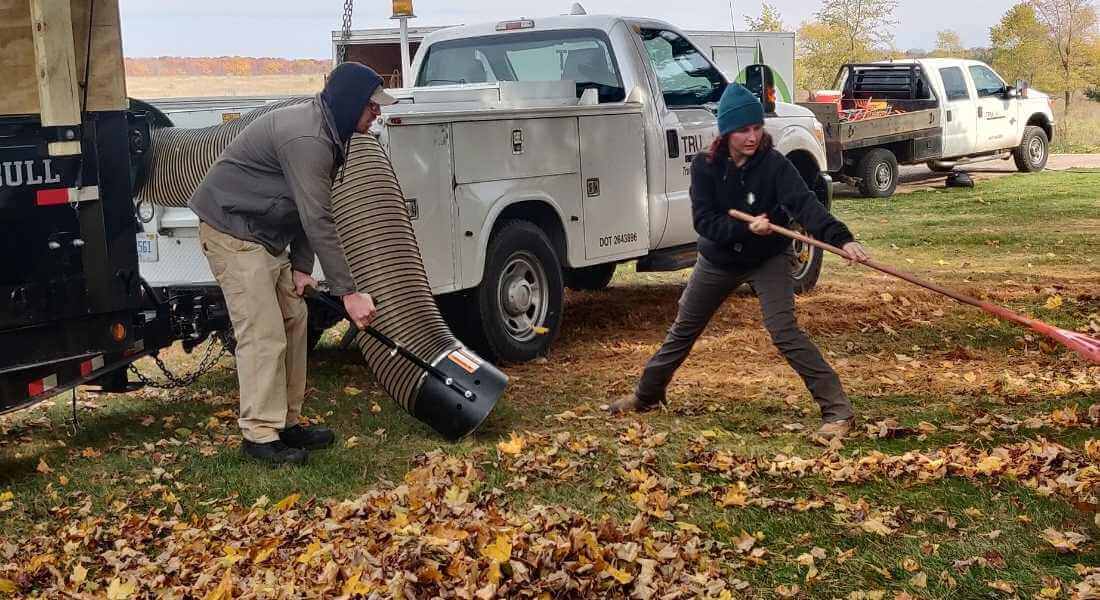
x=673, y=137
x=979, y=112
x=948, y=116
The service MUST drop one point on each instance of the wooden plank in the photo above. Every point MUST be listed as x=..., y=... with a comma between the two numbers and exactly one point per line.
x=107, y=85
x=20, y=95
x=107, y=88
x=55, y=62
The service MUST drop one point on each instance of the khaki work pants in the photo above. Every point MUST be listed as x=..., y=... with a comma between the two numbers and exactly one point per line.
x=270, y=323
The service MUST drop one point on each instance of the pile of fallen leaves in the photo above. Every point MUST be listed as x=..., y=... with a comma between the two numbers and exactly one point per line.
x=1041, y=465
x=441, y=533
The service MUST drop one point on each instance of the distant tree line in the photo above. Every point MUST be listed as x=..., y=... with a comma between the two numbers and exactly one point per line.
x=223, y=65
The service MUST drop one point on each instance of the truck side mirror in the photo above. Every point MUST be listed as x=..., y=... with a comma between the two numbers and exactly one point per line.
x=1021, y=88
x=760, y=80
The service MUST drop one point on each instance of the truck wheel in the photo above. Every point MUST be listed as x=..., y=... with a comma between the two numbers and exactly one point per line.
x=806, y=264
x=1032, y=153
x=521, y=294
x=807, y=260
x=592, y=278
x=937, y=166
x=878, y=174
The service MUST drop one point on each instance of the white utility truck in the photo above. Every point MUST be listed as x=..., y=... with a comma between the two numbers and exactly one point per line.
x=568, y=154
x=940, y=111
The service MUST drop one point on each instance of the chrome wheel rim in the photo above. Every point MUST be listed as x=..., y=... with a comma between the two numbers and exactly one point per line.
x=524, y=296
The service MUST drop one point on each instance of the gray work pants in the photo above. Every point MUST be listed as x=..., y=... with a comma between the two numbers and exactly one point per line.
x=707, y=289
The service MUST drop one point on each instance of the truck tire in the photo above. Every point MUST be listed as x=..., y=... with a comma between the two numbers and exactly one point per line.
x=878, y=173
x=521, y=293
x=939, y=166
x=1034, y=150
x=807, y=260
x=592, y=278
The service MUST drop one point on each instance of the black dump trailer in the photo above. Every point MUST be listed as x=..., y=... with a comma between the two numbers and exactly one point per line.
x=73, y=307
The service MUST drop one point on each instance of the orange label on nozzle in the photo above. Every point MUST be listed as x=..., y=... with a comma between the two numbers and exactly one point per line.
x=464, y=359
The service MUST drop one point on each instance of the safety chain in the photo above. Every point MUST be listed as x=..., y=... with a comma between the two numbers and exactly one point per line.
x=345, y=33
x=174, y=381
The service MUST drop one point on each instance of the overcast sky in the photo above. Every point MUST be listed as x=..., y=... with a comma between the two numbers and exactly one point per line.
x=297, y=29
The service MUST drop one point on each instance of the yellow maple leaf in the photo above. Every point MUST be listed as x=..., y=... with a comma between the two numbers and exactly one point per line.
x=1002, y=586
x=513, y=446
x=621, y=576
x=353, y=586
x=920, y=580
x=1053, y=303
x=876, y=525
x=224, y=591
x=735, y=496
x=287, y=503
x=119, y=590
x=79, y=575
x=500, y=550
x=990, y=465
x=265, y=552
x=310, y=553
x=7, y=586
x=494, y=572
x=352, y=391
x=7, y=496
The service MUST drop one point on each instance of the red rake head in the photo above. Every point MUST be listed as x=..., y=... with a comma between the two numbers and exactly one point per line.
x=1086, y=346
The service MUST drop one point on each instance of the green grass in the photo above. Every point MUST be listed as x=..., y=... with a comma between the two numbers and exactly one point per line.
x=119, y=455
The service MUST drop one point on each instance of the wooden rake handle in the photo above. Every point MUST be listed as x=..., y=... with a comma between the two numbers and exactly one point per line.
x=1077, y=342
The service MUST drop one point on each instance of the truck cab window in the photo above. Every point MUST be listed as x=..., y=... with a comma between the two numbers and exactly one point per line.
x=685, y=76
x=986, y=81
x=954, y=84
x=580, y=56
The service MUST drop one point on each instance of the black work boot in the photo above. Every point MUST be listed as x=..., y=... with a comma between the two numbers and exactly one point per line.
x=307, y=438
x=274, y=453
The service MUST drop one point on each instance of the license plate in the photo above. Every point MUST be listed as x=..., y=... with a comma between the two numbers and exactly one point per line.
x=147, y=247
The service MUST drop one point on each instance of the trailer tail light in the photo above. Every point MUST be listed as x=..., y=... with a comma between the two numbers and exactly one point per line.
x=514, y=25
x=118, y=332
x=58, y=196
x=41, y=386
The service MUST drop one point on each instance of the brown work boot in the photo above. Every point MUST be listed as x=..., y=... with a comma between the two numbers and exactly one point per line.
x=836, y=429
x=631, y=403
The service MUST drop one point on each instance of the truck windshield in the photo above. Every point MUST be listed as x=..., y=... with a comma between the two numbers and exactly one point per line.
x=581, y=56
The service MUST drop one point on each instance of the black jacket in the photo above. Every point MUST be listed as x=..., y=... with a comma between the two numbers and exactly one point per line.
x=777, y=189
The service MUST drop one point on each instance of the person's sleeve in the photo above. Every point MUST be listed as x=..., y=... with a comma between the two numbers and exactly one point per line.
x=803, y=206
x=307, y=165
x=711, y=220
x=302, y=257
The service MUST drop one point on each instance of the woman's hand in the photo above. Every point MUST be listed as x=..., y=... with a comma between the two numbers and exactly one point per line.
x=761, y=225
x=856, y=253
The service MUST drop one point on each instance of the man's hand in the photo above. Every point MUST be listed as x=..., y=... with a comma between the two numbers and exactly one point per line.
x=360, y=308
x=856, y=253
x=761, y=225
x=302, y=281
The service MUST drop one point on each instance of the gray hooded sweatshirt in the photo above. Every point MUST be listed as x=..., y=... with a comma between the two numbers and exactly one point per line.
x=273, y=185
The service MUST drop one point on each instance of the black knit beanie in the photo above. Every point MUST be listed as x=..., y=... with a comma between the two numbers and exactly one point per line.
x=347, y=92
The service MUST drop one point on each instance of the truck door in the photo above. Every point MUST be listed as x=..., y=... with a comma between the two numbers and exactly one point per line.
x=996, y=126
x=960, y=114
x=688, y=88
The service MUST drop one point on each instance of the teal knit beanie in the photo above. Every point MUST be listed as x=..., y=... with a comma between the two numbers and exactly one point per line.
x=738, y=108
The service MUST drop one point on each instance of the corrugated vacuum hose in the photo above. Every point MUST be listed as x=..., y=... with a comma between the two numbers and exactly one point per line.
x=372, y=220
x=380, y=244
